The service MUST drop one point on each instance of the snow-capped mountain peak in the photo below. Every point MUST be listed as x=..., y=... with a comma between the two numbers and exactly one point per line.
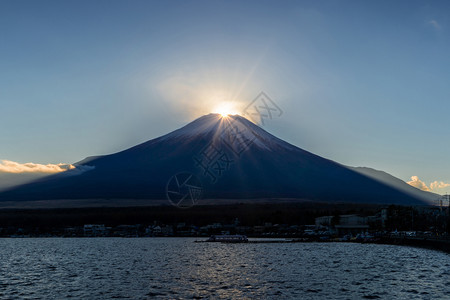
x=237, y=127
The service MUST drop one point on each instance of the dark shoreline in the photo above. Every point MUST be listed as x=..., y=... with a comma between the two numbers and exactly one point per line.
x=286, y=220
x=442, y=245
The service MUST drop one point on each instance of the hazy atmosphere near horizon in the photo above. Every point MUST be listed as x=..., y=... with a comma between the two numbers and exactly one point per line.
x=364, y=83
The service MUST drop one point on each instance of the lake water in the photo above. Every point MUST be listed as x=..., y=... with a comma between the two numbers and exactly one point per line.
x=178, y=268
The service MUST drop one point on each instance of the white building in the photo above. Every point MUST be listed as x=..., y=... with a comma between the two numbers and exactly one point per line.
x=344, y=224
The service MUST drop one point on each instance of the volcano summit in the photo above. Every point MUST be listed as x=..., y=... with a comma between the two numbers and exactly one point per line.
x=231, y=157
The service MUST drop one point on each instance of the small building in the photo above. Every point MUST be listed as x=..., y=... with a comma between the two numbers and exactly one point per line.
x=344, y=224
x=167, y=230
x=258, y=229
x=92, y=230
x=156, y=230
x=352, y=224
x=126, y=230
x=324, y=221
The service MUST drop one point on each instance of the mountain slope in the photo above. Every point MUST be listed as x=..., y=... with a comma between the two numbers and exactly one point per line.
x=396, y=183
x=232, y=157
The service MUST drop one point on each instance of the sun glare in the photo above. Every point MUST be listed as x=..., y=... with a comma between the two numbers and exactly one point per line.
x=225, y=109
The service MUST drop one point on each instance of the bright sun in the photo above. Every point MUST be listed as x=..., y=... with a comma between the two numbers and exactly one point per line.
x=225, y=109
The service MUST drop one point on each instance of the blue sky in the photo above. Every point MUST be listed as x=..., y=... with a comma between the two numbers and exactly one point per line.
x=364, y=83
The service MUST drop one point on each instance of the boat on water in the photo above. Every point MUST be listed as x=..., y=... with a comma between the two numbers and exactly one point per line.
x=237, y=238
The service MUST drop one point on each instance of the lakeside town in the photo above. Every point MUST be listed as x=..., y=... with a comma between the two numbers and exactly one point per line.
x=430, y=221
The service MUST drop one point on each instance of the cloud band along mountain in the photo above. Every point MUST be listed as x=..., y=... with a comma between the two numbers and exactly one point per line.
x=253, y=164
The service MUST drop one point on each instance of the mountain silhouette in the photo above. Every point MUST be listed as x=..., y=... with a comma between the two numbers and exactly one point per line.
x=229, y=158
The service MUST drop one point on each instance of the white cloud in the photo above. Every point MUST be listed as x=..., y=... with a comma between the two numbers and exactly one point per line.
x=417, y=183
x=435, y=24
x=14, y=173
x=433, y=187
x=439, y=185
x=7, y=166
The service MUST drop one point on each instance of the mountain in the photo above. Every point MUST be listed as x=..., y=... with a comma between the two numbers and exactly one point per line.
x=228, y=157
x=397, y=183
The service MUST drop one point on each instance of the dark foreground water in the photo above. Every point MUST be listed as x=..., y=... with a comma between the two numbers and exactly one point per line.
x=178, y=268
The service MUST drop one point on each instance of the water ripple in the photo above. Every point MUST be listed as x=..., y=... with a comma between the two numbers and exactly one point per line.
x=175, y=268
